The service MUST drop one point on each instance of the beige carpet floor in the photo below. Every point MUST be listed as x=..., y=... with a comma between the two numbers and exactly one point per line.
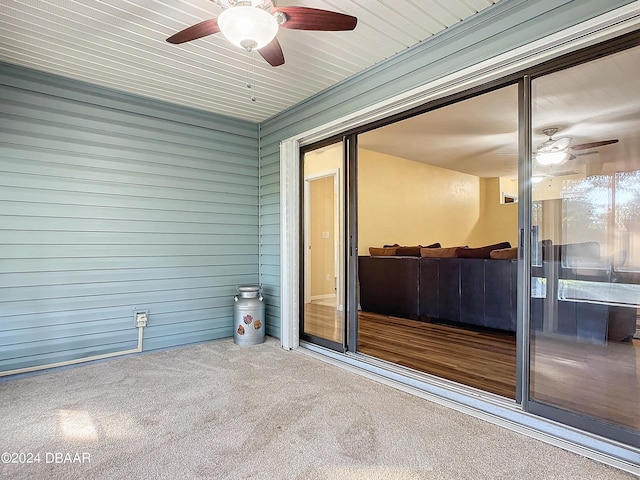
x=219, y=411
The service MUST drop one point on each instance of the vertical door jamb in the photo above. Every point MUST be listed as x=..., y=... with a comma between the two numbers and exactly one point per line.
x=351, y=241
x=524, y=248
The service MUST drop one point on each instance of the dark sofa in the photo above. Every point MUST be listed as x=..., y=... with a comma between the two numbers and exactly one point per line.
x=483, y=292
x=474, y=291
x=390, y=285
x=451, y=289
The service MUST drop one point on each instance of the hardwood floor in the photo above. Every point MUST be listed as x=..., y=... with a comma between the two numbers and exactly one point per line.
x=478, y=359
x=602, y=381
x=322, y=320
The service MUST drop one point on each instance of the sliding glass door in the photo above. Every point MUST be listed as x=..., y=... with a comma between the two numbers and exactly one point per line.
x=585, y=269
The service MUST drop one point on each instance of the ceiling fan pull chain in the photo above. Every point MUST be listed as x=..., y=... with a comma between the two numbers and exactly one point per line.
x=251, y=66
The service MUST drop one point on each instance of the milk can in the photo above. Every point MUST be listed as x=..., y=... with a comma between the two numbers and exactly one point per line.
x=248, y=315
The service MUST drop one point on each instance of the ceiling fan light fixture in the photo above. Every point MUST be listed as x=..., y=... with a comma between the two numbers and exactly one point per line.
x=552, y=158
x=537, y=178
x=248, y=27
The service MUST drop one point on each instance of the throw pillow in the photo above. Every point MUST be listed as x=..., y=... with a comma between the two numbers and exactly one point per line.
x=504, y=253
x=433, y=245
x=481, y=252
x=408, y=251
x=382, y=251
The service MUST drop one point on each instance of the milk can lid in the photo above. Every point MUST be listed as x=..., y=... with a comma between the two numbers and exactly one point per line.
x=249, y=288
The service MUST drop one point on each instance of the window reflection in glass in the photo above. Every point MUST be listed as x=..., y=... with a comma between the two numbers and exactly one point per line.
x=585, y=341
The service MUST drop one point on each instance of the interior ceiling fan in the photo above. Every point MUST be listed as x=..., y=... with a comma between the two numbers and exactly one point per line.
x=557, y=152
x=253, y=25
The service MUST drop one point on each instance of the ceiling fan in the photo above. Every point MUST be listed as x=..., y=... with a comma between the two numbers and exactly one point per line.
x=557, y=152
x=253, y=25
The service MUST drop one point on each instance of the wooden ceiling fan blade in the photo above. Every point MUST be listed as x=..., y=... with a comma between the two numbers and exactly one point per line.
x=272, y=53
x=585, y=146
x=305, y=18
x=199, y=30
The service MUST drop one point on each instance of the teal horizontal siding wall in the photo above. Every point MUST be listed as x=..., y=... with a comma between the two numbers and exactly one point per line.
x=503, y=27
x=111, y=202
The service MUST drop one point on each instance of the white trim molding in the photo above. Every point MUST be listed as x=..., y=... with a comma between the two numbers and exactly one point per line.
x=290, y=243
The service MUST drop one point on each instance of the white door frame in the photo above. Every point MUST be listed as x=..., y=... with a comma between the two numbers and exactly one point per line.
x=335, y=173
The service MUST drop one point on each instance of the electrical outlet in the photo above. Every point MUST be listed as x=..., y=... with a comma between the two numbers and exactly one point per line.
x=141, y=318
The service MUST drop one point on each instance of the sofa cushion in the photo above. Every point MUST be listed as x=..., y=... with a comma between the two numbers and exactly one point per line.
x=481, y=252
x=448, y=252
x=400, y=251
x=382, y=251
x=408, y=251
x=504, y=253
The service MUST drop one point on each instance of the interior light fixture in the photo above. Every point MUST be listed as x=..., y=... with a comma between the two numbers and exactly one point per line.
x=552, y=158
x=248, y=27
x=537, y=179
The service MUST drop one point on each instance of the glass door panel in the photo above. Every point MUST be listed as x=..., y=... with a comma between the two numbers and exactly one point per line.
x=323, y=250
x=437, y=195
x=585, y=367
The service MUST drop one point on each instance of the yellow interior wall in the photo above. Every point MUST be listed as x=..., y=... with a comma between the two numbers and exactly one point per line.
x=498, y=222
x=411, y=203
x=508, y=186
x=322, y=236
x=323, y=160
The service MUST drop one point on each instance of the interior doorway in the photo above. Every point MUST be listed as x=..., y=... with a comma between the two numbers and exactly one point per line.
x=321, y=247
x=322, y=315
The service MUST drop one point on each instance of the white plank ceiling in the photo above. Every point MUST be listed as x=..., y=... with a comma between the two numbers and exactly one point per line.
x=120, y=44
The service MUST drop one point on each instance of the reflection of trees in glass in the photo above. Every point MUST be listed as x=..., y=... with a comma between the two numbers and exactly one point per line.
x=627, y=220
x=628, y=201
x=536, y=213
x=586, y=209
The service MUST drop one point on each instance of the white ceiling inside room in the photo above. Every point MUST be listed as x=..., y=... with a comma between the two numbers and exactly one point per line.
x=592, y=102
x=469, y=136
x=120, y=44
